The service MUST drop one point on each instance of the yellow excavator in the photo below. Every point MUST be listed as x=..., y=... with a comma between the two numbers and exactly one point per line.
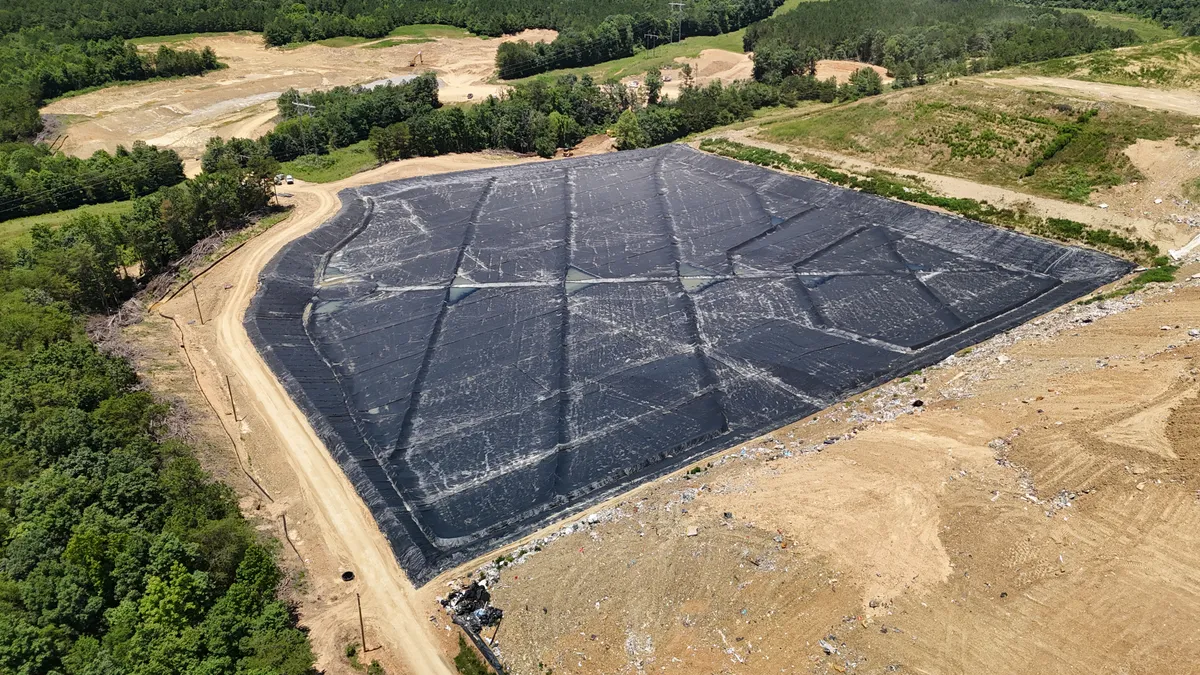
x=418, y=58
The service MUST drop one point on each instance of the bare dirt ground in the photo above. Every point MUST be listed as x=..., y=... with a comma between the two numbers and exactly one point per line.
x=712, y=65
x=1164, y=231
x=1038, y=513
x=1175, y=100
x=842, y=70
x=331, y=528
x=727, y=66
x=184, y=113
x=1167, y=167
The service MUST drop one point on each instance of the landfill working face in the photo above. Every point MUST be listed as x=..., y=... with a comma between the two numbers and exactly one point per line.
x=486, y=351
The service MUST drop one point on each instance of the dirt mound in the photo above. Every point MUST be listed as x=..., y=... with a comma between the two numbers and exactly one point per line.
x=596, y=144
x=842, y=70
x=183, y=114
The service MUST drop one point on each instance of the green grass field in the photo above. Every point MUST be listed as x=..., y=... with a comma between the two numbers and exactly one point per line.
x=392, y=42
x=1147, y=30
x=337, y=165
x=986, y=134
x=416, y=33
x=16, y=231
x=430, y=31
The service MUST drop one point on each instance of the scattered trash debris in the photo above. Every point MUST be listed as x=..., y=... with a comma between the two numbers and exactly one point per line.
x=693, y=531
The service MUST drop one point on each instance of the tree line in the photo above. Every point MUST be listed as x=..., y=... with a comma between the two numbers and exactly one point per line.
x=621, y=35
x=539, y=116
x=288, y=21
x=36, y=65
x=1182, y=15
x=916, y=38
x=118, y=553
x=34, y=179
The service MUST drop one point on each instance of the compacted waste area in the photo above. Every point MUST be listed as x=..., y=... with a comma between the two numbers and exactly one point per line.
x=485, y=351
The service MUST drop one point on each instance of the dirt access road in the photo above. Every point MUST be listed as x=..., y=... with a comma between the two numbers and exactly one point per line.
x=182, y=114
x=328, y=522
x=1171, y=100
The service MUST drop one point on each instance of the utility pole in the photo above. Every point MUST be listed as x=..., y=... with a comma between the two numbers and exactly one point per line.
x=196, y=297
x=362, y=631
x=232, y=403
x=657, y=38
x=308, y=111
x=677, y=11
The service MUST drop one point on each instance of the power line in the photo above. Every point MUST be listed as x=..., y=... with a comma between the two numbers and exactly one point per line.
x=9, y=204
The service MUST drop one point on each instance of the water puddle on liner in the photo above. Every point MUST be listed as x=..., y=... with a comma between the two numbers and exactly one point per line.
x=328, y=307
x=457, y=293
x=695, y=278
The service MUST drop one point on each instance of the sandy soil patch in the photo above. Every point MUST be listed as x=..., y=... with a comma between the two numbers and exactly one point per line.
x=842, y=70
x=183, y=114
x=1015, y=510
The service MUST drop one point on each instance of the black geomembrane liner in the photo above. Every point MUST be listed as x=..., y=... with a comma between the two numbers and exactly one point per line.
x=485, y=351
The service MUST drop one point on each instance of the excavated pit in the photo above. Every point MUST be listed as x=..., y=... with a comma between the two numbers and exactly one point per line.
x=485, y=351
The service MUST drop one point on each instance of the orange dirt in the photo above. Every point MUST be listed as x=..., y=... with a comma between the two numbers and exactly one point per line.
x=842, y=70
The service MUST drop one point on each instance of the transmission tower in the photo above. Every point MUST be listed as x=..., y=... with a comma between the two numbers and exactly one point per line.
x=677, y=14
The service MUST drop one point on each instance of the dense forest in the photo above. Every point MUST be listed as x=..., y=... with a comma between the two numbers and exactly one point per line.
x=35, y=180
x=83, y=20
x=118, y=554
x=915, y=38
x=36, y=65
x=620, y=35
x=1183, y=15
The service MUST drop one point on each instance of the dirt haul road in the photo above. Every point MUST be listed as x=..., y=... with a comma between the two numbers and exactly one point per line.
x=1180, y=101
x=341, y=527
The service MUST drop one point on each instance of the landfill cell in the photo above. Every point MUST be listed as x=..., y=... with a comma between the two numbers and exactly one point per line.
x=485, y=351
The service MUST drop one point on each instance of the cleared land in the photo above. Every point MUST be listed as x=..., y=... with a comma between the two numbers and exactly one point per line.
x=16, y=230
x=184, y=113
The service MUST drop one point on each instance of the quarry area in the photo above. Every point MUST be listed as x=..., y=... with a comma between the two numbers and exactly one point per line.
x=874, y=436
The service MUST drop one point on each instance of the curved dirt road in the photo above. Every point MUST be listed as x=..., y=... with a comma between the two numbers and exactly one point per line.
x=345, y=524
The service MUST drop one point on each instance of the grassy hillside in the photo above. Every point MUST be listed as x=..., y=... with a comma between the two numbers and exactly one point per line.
x=1171, y=64
x=989, y=134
